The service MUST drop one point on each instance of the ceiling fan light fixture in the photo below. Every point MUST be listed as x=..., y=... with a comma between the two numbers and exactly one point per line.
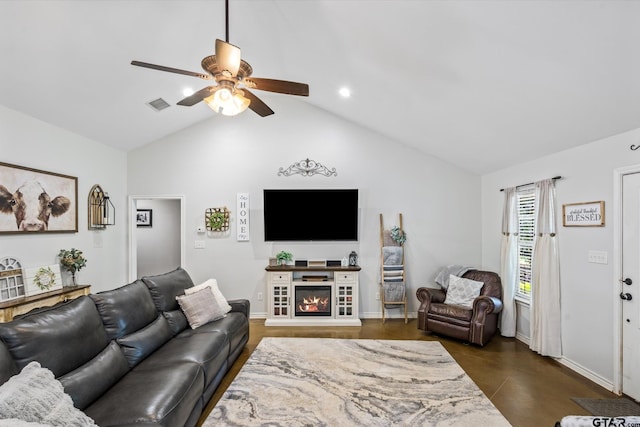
x=228, y=102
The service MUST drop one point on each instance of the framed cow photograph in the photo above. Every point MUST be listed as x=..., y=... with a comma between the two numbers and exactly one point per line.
x=33, y=200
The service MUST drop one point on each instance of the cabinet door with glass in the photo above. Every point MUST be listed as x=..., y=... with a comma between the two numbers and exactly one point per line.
x=346, y=294
x=280, y=300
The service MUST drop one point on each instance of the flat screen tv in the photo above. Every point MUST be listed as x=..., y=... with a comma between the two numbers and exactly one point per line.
x=311, y=215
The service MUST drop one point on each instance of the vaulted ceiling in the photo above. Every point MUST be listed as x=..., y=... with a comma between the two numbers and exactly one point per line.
x=480, y=84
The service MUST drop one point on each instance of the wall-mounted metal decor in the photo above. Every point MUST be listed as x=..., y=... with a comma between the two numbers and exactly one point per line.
x=101, y=210
x=33, y=200
x=307, y=167
x=217, y=219
x=635, y=147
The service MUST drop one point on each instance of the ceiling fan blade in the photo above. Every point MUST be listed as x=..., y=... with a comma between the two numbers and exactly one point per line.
x=256, y=105
x=279, y=86
x=228, y=58
x=171, y=70
x=197, y=97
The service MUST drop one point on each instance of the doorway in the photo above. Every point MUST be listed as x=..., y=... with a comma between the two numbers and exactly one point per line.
x=156, y=243
x=627, y=282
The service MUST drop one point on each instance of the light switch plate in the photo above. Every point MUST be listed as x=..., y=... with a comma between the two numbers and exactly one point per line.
x=598, y=257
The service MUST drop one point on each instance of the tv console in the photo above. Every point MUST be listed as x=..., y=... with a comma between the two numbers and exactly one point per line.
x=312, y=295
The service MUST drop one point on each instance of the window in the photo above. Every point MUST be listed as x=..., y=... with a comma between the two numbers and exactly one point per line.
x=526, y=235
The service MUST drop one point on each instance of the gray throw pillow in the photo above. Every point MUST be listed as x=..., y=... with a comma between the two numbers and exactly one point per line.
x=462, y=291
x=200, y=307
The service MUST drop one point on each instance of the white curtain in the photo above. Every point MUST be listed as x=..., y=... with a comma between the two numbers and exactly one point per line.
x=545, y=287
x=509, y=263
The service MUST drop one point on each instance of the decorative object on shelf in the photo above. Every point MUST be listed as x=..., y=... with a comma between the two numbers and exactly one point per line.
x=307, y=167
x=24, y=200
x=144, y=218
x=42, y=279
x=217, y=219
x=398, y=235
x=101, y=210
x=11, y=279
x=344, y=262
x=243, y=217
x=635, y=147
x=73, y=261
x=589, y=214
x=353, y=259
x=45, y=278
x=284, y=257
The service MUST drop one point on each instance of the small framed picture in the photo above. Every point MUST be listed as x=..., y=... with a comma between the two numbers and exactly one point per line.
x=144, y=218
x=587, y=214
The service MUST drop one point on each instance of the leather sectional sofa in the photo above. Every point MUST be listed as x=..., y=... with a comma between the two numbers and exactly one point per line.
x=128, y=356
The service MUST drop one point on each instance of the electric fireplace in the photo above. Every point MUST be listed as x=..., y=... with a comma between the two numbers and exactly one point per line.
x=313, y=300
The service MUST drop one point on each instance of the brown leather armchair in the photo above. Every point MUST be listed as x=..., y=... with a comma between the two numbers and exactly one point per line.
x=476, y=325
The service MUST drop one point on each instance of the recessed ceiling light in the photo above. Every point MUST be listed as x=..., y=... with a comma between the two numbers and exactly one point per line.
x=187, y=91
x=345, y=92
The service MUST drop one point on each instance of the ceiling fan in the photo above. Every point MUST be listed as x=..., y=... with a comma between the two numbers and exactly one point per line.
x=231, y=94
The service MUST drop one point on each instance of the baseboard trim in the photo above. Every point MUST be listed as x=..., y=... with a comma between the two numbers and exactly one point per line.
x=576, y=367
x=602, y=382
x=389, y=315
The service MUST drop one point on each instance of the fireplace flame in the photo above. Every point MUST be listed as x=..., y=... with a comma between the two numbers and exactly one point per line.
x=313, y=304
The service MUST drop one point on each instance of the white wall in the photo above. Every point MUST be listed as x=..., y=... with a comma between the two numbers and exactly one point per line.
x=158, y=246
x=28, y=142
x=211, y=162
x=586, y=288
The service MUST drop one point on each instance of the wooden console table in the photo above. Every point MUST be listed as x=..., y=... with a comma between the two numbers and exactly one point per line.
x=22, y=305
x=342, y=283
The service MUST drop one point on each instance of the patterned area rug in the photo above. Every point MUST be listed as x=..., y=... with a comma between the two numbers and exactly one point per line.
x=608, y=407
x=341, y=382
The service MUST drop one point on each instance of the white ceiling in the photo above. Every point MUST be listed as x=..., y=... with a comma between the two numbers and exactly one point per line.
x=477, y=83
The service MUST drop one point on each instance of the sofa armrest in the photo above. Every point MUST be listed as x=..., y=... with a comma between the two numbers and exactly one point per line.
x=430, y=295
x=240, y=305
x=426, y=296
x=487, y=304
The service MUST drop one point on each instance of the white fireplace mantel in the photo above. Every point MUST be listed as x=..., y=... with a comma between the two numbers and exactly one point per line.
x=281, y=291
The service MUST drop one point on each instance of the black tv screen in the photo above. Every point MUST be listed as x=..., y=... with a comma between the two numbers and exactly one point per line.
x=310, y=215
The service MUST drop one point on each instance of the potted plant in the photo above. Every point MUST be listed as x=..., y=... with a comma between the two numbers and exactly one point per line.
x=284, y=257
x=72, y=261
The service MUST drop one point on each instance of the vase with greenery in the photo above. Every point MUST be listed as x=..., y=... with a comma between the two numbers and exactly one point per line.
x=283, y=257
x=72, y=260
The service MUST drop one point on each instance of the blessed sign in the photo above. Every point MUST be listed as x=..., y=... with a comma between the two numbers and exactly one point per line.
x=590, y=214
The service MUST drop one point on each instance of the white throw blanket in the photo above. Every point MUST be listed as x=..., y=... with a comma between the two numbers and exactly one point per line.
x=442, y=278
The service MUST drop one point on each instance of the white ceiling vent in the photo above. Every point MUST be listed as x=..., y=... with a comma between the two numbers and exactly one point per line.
x=158, y=104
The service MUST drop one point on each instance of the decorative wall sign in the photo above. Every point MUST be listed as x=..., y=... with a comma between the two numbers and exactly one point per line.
x=589, y=214
x=307, y=167
x=43, y=279
x=33, y=200
x=11, y=279
x=242, y=207
x=144, y=218
x=217, y=219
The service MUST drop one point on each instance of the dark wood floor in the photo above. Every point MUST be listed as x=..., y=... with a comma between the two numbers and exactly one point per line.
x=529, y=390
